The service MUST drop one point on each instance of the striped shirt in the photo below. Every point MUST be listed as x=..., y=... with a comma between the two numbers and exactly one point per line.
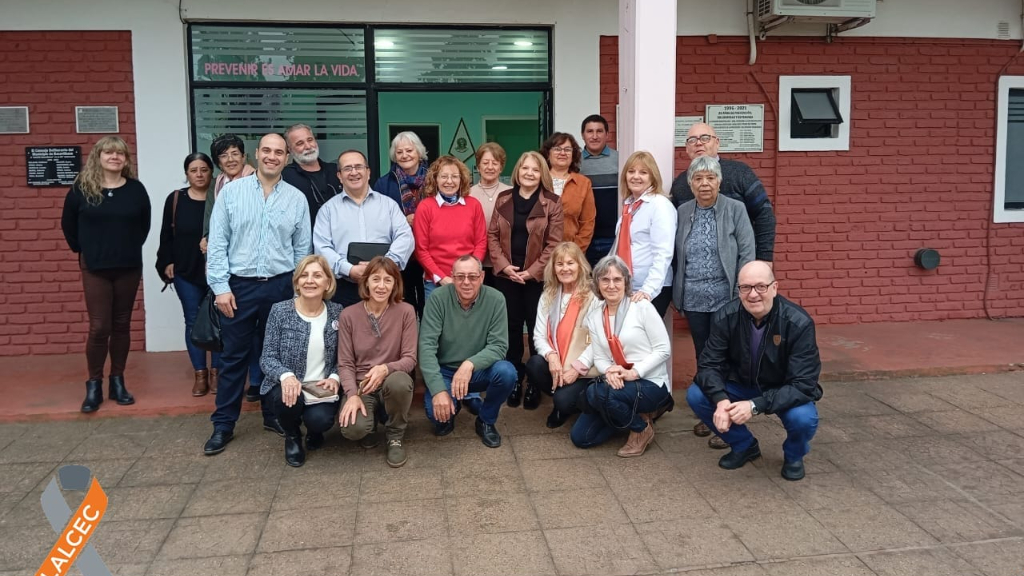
x=252, y=237
x=603, y=171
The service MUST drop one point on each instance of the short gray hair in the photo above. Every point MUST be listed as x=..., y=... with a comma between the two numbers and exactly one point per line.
x=703, y=164
x=411, y=138
x=604, y=265
x=468, y=258
x=295, y=127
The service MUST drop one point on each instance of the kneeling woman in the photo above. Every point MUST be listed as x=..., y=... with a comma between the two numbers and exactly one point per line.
x=559, y=334
x=630, y=347
x=300, y=352
x=376, y=355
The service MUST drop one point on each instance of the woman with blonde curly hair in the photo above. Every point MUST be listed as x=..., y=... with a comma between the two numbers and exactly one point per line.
x=105, y=221
x=448, y=223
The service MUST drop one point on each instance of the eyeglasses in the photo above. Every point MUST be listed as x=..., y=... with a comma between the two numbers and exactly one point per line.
x=759, y=288
x=466, y=277
x=703, y=139
x=233, y=155
x=562, y=150
x=606, y=281
x=353, y=168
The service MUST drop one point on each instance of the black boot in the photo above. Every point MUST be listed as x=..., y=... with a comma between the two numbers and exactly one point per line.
x=294, y=453
x=531, y=399
x=118, y=393
x=517, y=394
x=557, y=418
x=93, y=395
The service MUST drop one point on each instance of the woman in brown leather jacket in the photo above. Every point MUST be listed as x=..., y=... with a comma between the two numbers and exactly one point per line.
x=525, y=227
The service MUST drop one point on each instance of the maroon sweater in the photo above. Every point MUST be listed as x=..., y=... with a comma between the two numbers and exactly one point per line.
x=359, y=348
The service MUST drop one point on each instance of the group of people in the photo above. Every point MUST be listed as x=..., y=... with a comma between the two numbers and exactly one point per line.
x=331, y=292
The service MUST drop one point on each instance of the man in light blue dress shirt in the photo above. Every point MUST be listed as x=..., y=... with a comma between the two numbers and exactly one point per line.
x=259, y=232
x=358, y=214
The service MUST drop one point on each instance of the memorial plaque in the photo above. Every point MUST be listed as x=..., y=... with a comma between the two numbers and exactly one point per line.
x=52, y=165
x=13, y=119
x=740, y=127
x=96, y=119
x=683, y=125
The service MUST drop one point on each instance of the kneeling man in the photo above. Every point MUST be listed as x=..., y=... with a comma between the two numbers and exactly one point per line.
x=761, y=358
x=463, y=341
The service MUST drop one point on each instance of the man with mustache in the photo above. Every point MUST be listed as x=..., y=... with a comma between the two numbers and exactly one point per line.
x=316, y=179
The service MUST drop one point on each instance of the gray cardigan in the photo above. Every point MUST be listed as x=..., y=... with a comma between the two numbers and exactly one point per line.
x=286, y=343
x=735, y=242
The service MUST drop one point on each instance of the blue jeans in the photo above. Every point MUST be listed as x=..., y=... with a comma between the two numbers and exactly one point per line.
x=254, y=299
x=801, y=421
x=191, y=296
x=610, y=410
x=428, y=288
x=599, y=248
x=497, y=381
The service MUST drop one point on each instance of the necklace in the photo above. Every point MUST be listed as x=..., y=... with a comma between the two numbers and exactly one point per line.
x=490, y=192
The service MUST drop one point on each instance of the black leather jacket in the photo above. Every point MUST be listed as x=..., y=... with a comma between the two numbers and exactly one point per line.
x=788, y=367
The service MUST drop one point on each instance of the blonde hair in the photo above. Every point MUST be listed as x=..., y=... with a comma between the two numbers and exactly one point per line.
x=496, y=151
x=90, y=179
x=545, y=175
x=430, y=182
x=645, y=160
x=332, y=284
x=551, y=283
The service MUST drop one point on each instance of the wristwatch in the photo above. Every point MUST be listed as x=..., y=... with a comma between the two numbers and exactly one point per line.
x=753, y=408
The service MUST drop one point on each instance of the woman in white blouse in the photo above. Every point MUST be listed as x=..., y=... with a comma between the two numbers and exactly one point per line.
x=645, y=234
x=559, y=334
x=630, y=348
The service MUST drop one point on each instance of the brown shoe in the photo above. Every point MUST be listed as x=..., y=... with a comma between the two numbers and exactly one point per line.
x=638, y=441
x=701, y=429
x=213, y=380
x=202, y=385
x=717, y=443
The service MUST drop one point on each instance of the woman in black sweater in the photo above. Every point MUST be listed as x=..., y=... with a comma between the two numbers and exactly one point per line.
x=106, y=221
x=180, y=261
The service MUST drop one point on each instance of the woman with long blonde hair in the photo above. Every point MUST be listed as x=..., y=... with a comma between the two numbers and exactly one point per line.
x=105, y=221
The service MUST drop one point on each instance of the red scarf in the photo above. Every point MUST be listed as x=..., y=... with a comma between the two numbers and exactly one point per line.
x=624, y=249
x=559, y=338
x=618, y=354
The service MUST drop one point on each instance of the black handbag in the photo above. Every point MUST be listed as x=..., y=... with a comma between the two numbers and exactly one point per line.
x=206, y=331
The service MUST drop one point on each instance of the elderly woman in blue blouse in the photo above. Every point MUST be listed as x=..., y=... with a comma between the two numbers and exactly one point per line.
x=630, y=348
x=300, y=355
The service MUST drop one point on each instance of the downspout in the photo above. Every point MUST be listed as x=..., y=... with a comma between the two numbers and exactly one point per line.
x=753, y=40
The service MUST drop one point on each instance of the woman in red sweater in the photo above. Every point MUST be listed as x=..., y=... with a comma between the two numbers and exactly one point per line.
x=448, y=223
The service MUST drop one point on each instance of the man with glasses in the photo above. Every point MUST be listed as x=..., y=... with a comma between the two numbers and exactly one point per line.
x=738, y=182
x=316, y=179
x=761, y=358
x=463, y=341
x=359, y=215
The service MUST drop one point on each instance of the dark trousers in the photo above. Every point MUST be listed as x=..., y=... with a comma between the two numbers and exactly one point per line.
x=700, y=329
x=347, y=293
x=661, y=300
x=191, y=295
x=412, y=279
x=568, y=398
x=109, y=301
x=610, y=410
x=521, y=302
x=599, y=248
x=254, y=299
x=318, y=418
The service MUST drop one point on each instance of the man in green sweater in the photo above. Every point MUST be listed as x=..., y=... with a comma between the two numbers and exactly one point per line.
x=463, y=341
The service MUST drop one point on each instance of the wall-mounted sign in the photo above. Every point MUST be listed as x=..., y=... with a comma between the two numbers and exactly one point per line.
x=683, y=124
x=52, y=165
x=740, y=127
x=14, y=120
x=462, y=145
x=96, y=119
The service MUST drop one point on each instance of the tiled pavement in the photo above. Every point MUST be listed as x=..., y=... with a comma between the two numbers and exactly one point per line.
x=909, y=476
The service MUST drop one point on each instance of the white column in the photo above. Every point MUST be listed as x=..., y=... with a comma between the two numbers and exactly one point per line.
x=647, y=81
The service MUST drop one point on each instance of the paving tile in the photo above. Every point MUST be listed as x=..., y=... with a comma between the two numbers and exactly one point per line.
x=132, y=541
x=929, y=449
x=997, y=445
x=245, y=465
x=829, y=491
x=546, y=447
x=731, y=497
x=1009, y=507
x=967, y=396
x=854, y=404
x=737, y=570
x=606, y=550
x=578, y=507
x=229, y=497
x=469, y=480
x=910, y=402
x=1016, y=465
x=952, y=521
x=695, y=542
x=25, y=509
x=302, y=562
x=219, y=565
x=38, y=445
x=401, y=484
x=490, y=514
x=400, y=520
x=784, y=535
x=209, y=536
x=994, y=558
x=429, y=557
x=127, y=569
x=866, y=528
x=955, y=422
x=24, y=548
x=299, y=489
x=934, y=562
x=1009, y=417
x=542, y=475
x=448, y=451
x=111, y=446
x=872, y=427
x=980, y=478
x=154, y=471
x=24, y=476
x=108, y=472
x=8, y=501
x=906, y=482
x=330, y=526
x=147, y=502
x=830, y=566
x=511, y=553
x=862, y=455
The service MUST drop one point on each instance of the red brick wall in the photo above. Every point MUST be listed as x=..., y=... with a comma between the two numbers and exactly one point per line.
x=919, y=172
x=42, y=310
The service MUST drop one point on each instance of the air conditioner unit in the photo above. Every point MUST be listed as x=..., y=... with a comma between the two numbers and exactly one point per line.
x=834, y=11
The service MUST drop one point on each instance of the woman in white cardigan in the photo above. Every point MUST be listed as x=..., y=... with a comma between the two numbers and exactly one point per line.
x=630, y=347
